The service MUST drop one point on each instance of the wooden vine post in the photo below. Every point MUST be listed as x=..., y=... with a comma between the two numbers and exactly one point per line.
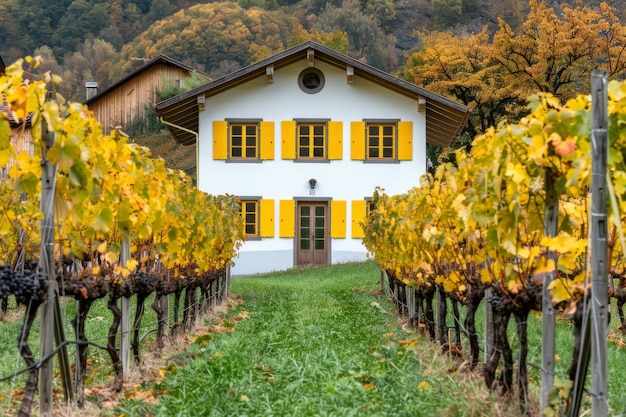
x=548, y=313
x=125, y=325
x=46, y=264
x=599, y=246
x=595, y=318
x=51, y=325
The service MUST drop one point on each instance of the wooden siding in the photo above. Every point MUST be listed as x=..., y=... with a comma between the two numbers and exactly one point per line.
x=22, y=140
x=126, y=103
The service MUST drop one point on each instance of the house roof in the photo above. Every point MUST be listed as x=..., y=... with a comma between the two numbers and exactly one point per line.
x=444, y=117
x=161, y=59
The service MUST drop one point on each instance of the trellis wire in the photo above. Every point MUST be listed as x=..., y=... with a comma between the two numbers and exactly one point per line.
x=210, y=300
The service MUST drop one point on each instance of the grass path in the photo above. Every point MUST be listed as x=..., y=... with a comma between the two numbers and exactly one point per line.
x=317, y=342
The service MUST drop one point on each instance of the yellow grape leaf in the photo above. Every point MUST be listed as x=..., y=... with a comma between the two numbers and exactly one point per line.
x=537, y=148
x=515, y=286
x=102, y=248
x=111, y=257
x=95, y=270
x=485, y=277
x=122, y=271
x=131, y=264
x=517, y=173
x=524, y=252
x=543, y=266
x=449, y=286
x=64, y=154
x=5, y=143
x=11, y=215
x=560, y=291
x=563, y=243
x=103, y=221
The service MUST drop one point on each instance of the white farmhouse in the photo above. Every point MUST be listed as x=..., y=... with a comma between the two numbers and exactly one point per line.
x=303, y=138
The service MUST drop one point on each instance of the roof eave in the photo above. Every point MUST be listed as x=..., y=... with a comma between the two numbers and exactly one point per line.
x=182, y=110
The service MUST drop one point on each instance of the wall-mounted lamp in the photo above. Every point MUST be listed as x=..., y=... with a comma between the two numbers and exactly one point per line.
x=312, y=183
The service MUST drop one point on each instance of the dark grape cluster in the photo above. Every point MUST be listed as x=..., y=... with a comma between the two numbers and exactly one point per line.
x=142, y=281
x=31, y=285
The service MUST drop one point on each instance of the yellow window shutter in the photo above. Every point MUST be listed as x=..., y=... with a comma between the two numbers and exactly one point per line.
x=335, y=140
x=220, y=139
x=357, y=136
x=288, y=134
x=358, y=217
x=405, y=141
x=287, y=218
x=338, y=219
x=267, y=140
x=267, y=218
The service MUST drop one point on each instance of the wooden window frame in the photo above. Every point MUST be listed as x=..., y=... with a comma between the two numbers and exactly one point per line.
x=312, y=123
x=257, y=216
x=381, y=124
x=243, y=124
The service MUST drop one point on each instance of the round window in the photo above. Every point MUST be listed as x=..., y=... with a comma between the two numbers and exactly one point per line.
x=311, y=80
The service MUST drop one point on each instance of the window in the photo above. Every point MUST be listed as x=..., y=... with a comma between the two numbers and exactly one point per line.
x=258, y=217
x=244, y=140
x=311, y=80
x=369, y=206
x=250, y=214
x=311, y=140
x=247, y=140
x=381, y=140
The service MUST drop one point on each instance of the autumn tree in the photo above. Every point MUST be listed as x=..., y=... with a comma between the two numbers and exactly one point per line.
x=554, y=51
x=463, y=66
x=337, y=39
x=366, y=39
x=205, y=35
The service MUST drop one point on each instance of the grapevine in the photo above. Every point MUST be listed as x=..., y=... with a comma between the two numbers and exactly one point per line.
x=107, y=191
x=482, y=224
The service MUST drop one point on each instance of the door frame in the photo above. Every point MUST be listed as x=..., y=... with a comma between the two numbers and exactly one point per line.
x=296, y=238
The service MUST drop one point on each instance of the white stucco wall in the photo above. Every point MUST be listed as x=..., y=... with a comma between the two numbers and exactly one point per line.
x=287, y=179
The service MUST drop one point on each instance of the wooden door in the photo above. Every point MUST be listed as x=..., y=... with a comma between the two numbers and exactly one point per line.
x=312, y=238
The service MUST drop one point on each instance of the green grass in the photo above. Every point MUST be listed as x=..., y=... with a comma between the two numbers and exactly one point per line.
x=315, y=342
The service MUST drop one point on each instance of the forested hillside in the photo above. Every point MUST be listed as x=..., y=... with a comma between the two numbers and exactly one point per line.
x=102, y=40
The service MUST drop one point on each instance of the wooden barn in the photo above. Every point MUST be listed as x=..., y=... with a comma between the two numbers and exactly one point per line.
x=125, y=102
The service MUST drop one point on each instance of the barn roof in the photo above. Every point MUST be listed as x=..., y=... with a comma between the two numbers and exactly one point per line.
x=161, y=59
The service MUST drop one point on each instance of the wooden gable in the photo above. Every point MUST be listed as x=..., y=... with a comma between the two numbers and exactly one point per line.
x=125, y=102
